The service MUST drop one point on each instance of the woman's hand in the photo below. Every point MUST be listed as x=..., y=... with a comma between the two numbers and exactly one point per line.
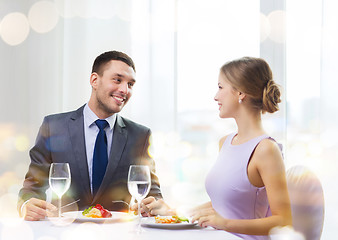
x=209, y=217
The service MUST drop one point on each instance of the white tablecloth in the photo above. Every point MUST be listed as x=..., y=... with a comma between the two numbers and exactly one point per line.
x=18, y=229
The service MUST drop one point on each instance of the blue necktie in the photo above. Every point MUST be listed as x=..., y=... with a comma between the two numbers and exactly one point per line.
x=100, y=157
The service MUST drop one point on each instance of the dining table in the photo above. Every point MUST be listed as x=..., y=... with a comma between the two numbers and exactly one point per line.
x=93, y=229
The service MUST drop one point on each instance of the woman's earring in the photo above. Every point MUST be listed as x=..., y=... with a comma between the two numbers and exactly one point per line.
x=239, y=101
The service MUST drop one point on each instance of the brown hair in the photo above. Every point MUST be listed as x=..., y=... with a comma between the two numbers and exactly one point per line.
x=106, y=57
x=253, y=77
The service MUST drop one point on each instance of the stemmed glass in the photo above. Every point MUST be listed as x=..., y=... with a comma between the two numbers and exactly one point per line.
x=139, y=185
x=59, y=180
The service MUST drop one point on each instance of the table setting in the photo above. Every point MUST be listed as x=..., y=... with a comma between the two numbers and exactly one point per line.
x=99, y=223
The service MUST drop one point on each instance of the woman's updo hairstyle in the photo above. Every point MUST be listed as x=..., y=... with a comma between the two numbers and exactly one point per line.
x=253, y=77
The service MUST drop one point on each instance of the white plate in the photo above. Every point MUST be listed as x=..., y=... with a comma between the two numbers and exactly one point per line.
x=116, y=217
x=150, y=222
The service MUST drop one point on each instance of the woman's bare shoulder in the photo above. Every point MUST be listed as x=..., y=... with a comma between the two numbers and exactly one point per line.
x=268, y=146
x=268, y=153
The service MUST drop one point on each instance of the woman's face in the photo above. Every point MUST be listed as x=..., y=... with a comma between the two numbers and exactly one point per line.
x=226, y=97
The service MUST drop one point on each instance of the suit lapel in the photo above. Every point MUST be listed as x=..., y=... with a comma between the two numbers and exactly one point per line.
x=118, y=144
x=76, y=131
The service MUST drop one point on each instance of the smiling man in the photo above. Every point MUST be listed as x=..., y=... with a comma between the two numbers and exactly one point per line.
x=98, y=144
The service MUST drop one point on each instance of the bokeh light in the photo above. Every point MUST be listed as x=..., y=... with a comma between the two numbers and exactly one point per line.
x=43, y=16
x=277, y=26
x=14, y=28
x=265, y=27
x=22, y=143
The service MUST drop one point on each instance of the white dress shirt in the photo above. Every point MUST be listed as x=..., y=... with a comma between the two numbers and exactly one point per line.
x=90, y=132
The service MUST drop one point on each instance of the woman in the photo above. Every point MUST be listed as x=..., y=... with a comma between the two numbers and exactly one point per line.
x=247, y=184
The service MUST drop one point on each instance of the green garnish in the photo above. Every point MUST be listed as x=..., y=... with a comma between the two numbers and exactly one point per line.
x=87, y=210
x=181, y=219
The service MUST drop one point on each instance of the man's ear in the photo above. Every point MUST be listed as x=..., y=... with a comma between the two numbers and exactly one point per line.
x=94, y=80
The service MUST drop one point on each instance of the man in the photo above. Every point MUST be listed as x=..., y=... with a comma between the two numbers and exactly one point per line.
x=72, y=137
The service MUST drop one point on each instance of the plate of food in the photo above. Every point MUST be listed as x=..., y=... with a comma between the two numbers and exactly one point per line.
x=98, y=213
x=167, y=222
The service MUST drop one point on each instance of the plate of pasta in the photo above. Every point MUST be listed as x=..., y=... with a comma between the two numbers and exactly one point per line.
x=167, y=222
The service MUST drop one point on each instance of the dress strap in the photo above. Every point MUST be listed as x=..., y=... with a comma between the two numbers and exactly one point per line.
x=229, y=138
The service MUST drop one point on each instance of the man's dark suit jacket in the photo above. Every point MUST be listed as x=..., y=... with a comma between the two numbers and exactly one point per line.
x=61, y=139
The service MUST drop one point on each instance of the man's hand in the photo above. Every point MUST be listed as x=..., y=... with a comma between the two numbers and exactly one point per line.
x=152, y=207
x=36, y=209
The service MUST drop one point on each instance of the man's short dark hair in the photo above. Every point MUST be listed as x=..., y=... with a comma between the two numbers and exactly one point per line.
x=106, y=57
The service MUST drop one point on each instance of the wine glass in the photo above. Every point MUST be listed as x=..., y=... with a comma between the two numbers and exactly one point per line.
x=139, y=185
x=59, y=180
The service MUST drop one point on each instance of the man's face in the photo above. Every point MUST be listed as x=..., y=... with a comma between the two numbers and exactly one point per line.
x=112, y=90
